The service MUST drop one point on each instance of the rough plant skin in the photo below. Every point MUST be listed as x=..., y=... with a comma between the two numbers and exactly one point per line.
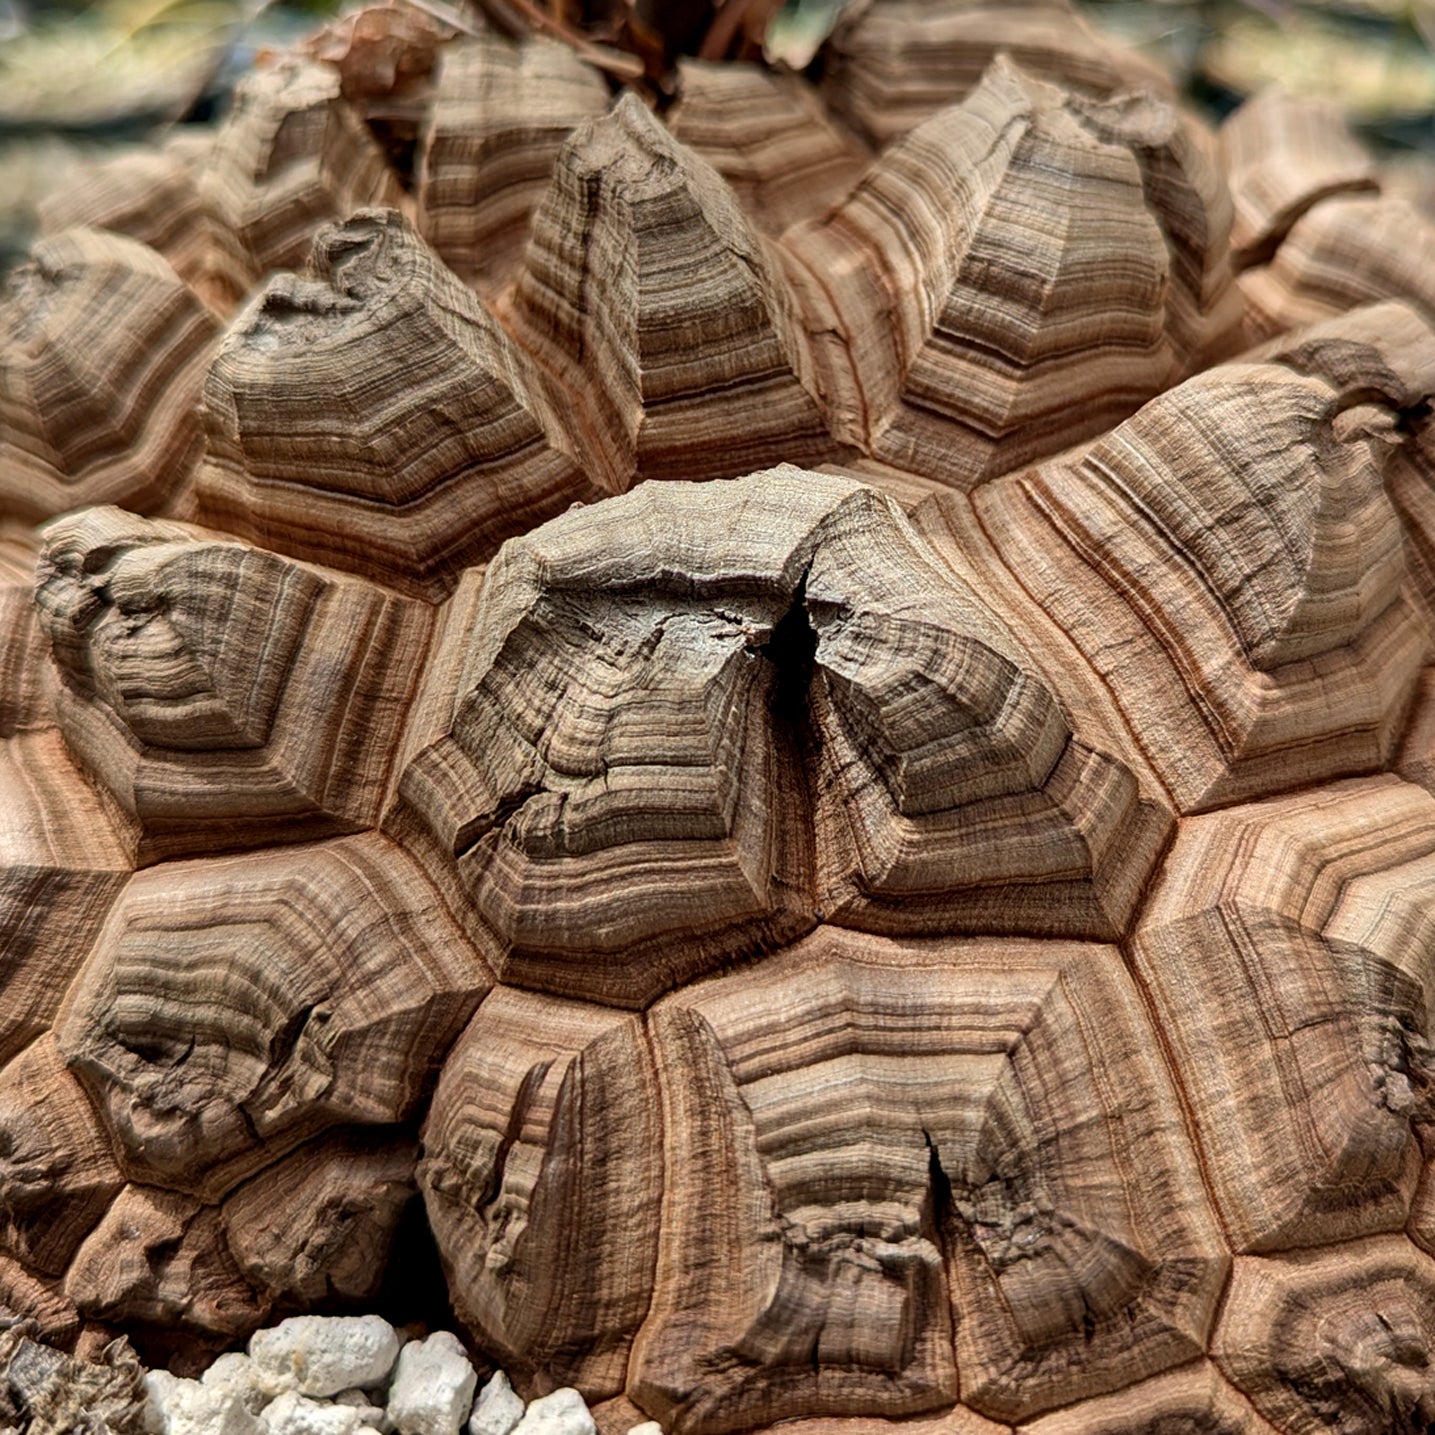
x=801, y=732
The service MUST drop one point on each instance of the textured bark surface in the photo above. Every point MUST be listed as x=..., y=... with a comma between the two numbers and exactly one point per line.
x=548, y=1109
x=1346, y=252
x=1283, y=646
x=1307, y=1065
x=1284, y=155
x=661, y=376
x=198, y=681
x=769, y=137
x=952, y=313
x=895, y=64
x=215, y=1039
x=154, y=196
x=962, y=1211
x=792, y=731
x=290, y=156
x=501, y=111
x=1334, y=1340
x=460, y=454
x=102, y=353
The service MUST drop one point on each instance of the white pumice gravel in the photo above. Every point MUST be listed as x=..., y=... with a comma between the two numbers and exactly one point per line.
x=432, y=1389
x=321, y=1355
x=186, y=1407
x=564, y=1412
x=235, y=1374
x=157, y=1384
x=498, y=1408
x=295, y=1414
x=369, y=1412
x=354, y=1375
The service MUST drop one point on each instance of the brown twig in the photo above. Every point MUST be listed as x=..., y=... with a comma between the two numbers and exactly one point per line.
x=752, y=17
x=719, y=37
x=625, y=67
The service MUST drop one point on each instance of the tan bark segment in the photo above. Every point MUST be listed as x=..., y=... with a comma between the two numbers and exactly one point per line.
x=895, y=64
x=950, y=793
x=57, y=1173
x=1194, y=1400
x=595, y=782
x=953, y=526
x=372, y=415
x=1410, y=482
x=659, y=315
x=1415, y=760
x=291, y=156
x=789, y=821
x=1386, y=346
x=769, y=137
x=627, y=731
x=1285, y=948
x=154, y=196
x=311, y=1229
x=318, y=1225
x=102, y=352
x=958, y=339
x=1344, y=253
x=224, y=695
x=62, y=863
x=1186, y=193
x=859, y=1130
x=1334, y=1340
x=501, y=111
x=957, y=1421
x=40, y=1300
x=542, y=1173
x=160, y=1258
x=1283, y=154
x=1229, y=563
x=235, y=1007
x=1421, y=1225
x=26, y=701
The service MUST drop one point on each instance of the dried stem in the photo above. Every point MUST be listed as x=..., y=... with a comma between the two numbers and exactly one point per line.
x=625, y=67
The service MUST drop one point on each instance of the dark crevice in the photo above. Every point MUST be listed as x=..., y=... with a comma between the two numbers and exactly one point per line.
x=286, y=1038
x=792, y=650
x=514, y=803
x=471, y=834
x=528, y=1090
x=414, y=1287
x=943, y=1206
x=1412, y=419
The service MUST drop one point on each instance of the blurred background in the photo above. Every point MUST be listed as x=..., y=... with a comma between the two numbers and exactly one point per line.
x=79, y=77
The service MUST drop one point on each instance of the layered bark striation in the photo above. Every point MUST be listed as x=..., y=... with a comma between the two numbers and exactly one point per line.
x=373, y=416
x=959, y=341
x=217, y=691
x=102, y=352
x=935, y=942
x=894, y=1128
x=814, y=721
